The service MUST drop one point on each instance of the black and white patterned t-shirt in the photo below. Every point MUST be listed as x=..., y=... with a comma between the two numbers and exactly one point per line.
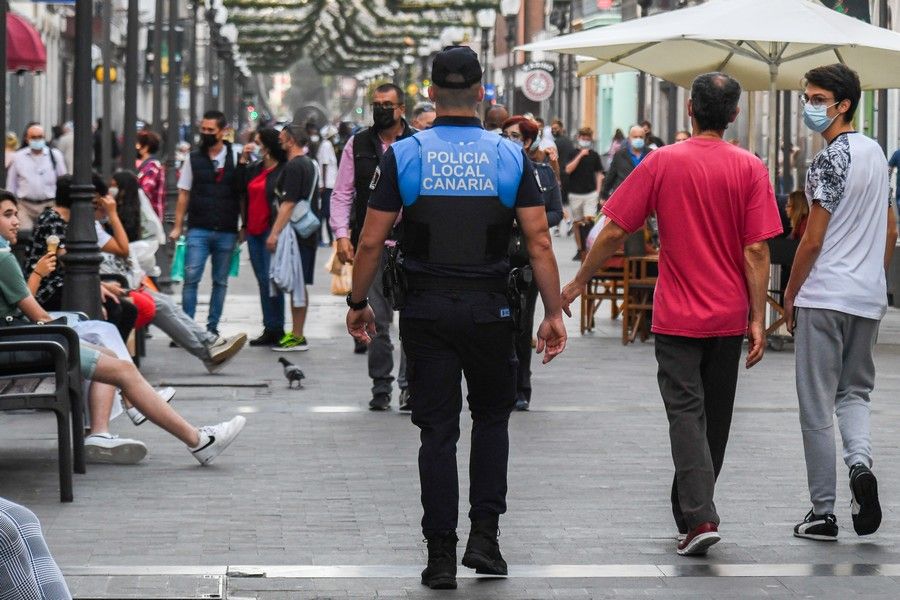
x=849, y=180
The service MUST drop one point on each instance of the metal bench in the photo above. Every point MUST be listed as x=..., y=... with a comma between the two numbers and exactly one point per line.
x=39, y=369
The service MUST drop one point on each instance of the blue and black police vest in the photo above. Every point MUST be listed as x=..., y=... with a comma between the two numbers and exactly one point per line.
x=459, y=187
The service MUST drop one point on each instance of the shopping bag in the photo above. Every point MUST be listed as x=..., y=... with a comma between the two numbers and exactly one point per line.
x=177, y=272
x=333, y=265
x=235, y=261
x=341, y=284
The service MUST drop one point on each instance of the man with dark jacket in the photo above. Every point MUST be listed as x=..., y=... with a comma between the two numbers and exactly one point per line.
x=624, y=161
x=356, y=177
x=208, y=196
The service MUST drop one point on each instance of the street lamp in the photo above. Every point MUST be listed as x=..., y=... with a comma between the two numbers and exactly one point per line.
x=486, y=18
x=560, y=17
x=510, y=11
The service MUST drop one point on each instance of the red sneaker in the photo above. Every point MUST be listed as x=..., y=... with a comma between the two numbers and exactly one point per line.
x=699, y=540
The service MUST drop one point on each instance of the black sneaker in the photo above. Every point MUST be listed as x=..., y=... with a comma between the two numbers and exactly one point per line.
x=522, y=403
x=483, y=549
x=864, y=505
x=360, y=347
x=269, y=337
x=440, y=573
x=404, y=400
x=380, y=402
x=817, y=527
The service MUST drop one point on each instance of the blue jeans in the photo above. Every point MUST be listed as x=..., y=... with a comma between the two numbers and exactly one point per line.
x=260, y=258
x=201, y=243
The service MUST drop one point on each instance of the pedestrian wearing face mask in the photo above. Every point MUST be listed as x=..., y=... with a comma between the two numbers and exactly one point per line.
x=585, y=171
x=349, y=203
x=322, y=150
x=32, y=175
x=624, y=161
x=208, y=196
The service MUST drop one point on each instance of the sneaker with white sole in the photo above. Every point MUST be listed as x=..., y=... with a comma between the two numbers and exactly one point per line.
x=137, y=417
x=823, y=528
x=111, y=449
x=223, y=350
x=864, y=506
x=699, y=539
x=215, y=438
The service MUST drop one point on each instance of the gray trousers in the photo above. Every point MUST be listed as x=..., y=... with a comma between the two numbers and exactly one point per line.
x=183, y=330
x=381, y=350
x=835, y=375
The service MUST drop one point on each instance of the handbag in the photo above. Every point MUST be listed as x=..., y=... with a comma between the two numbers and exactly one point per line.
x=303, y=219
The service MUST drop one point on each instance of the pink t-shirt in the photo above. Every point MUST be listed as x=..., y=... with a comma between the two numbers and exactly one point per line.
x=711, y=200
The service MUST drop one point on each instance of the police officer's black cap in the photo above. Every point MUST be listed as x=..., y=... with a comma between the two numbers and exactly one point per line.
x=456, y=67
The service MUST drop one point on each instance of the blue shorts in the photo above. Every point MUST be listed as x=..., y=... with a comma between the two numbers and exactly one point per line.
x=89, y=355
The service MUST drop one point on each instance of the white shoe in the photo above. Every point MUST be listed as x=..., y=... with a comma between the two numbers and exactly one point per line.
x=137, y=417
x=215, y=438
x=111, y=449
x=223, y=350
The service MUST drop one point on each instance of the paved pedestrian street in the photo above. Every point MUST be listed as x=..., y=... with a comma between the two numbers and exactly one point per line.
x=318, y=498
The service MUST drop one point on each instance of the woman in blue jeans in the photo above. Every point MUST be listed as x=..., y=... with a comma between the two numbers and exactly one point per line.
x=258, y=188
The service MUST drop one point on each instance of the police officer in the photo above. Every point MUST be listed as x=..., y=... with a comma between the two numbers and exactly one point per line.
x=460, y=188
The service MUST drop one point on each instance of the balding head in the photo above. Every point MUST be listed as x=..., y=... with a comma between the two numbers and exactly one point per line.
x=495, y=117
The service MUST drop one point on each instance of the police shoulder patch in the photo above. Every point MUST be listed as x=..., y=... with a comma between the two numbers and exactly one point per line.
x=375, y=177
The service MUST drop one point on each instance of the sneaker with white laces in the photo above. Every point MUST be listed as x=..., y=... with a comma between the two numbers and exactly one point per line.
x=111, y=449
x=823, y=528
x=215, y=438
x=137, y=417
x=223, y=350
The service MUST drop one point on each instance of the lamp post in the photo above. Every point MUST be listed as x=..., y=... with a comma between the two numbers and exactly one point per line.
x=105, y=129
x=131, y=86
x=510, y=11
x=81, y=291
x=486, y=18
x=192, y=73
x=172, y=134
x=3, y=87
x=157, y=65
x=229, y=35
x=560, y=18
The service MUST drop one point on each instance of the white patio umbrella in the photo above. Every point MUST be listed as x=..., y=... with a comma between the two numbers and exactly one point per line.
x=764, y=44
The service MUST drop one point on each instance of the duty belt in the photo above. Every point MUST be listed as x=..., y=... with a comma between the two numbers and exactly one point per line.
x=419, y=282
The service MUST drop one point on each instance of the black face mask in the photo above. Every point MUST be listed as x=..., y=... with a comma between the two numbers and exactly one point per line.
x=383, y=118
x=208, y=140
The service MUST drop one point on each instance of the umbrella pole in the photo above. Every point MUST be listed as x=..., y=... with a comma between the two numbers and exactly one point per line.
x=771, y=151
x=751, y=122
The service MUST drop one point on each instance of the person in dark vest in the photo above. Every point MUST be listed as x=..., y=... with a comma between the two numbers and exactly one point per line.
x=459, y=187
x=349, y=201
x=209, y=197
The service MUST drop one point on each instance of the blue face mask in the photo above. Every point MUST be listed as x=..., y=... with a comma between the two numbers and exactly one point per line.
x=37, y=145
x=637, y=143
x=816, y=117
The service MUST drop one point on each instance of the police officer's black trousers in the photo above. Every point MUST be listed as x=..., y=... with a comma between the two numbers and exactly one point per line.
x=447, y=335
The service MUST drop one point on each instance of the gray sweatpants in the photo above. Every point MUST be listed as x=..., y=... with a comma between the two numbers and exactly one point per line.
x=835, y=374
x=381, y=350
x=183, y=330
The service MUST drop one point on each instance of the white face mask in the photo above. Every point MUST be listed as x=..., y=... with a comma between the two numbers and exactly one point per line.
x=585, y=143
x=314, y=138
x=113, y=191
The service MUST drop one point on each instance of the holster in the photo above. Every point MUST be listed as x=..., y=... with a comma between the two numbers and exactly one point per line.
x=394, y=278
x=517, y=291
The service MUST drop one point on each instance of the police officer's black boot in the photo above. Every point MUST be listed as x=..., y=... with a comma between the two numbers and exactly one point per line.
x=440, y=574
x=483, y=549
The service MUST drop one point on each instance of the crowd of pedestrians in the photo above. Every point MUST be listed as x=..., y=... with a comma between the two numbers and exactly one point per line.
x=469, y=209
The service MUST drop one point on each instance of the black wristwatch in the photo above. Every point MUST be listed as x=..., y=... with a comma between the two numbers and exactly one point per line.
x=356, y=305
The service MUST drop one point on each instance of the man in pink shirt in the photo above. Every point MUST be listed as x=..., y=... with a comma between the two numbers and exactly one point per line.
x=349, y=202
x=716, y=209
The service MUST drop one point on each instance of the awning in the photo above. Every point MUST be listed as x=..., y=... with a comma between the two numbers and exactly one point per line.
x=24, y=49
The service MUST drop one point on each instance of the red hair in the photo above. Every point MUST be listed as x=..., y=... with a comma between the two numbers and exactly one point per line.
x=528, y=127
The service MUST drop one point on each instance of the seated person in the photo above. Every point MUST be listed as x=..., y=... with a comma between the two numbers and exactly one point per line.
x=98, y=364
x=214, y=351
x=27, y=569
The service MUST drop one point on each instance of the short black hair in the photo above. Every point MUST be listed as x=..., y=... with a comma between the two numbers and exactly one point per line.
x=384, y=88
x=297, y=133
x=715, y=98
x=218, y=116
x=840, y=80
x=7, y=195
x=63, y=196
